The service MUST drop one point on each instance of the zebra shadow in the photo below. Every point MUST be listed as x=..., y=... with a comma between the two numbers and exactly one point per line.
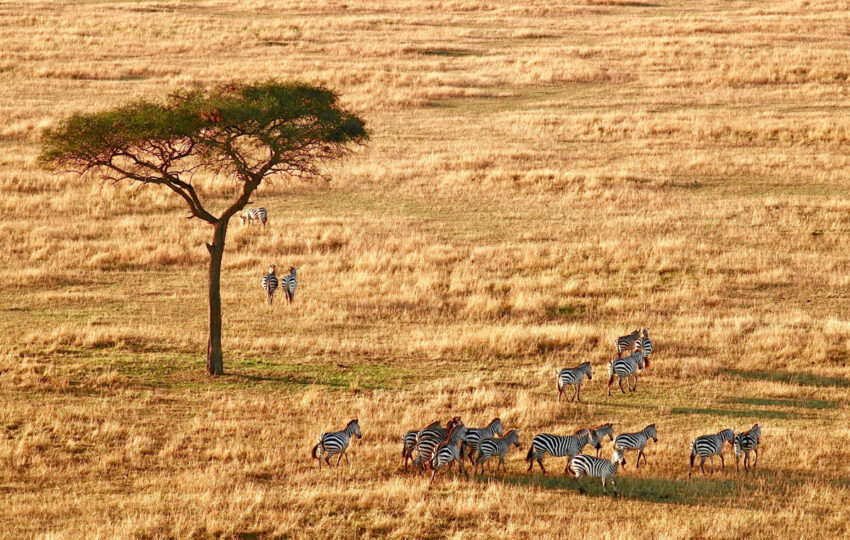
x=661, y=490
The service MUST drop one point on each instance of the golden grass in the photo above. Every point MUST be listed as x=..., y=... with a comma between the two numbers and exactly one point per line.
x=542, y=177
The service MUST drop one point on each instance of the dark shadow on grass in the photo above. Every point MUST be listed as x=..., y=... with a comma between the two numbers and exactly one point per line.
x=737, y=414
x=802, y=403
x=803, y=379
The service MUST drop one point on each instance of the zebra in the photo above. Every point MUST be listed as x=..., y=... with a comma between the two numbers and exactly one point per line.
x=747, y=442
x=289, y=283
x=409, y=441
x=251, y=215
x=708, y=446
x=490, y=447
x=598, y=433
x=636, y=441
x=626, y=343
x=448, y=452
x=558, y=446
x=595, y=467
x=625, y=368
x=331, y=444
x=573, y=376
x=476, y=435
x=645, y=344
x=270, y=283
x=429, y=439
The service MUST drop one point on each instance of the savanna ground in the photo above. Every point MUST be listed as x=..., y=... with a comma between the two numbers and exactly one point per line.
x=542, y=177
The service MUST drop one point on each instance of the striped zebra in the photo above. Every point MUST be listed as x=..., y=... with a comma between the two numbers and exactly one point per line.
x=645, y=344
x=573, y=376
x=598, y=434
x=428, y=440
x=595, y=467
x=409, y=441
x=636, y=441
x=251, y=215
x=289, y=283
x=331, y=444
x=476, y=435
x=747, y=442
x=626, y=343
x=270, y=283
x=558, y=446
x=490, y=447
x=625, y=368
x=708, y=446
x=448, y=452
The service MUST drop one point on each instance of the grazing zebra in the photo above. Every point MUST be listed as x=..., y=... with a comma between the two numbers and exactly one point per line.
x=476, y=435
x=708, y=446
x=747, y=442
x=595, y=467
x=270, y=283
x=636, y=441
x=573, y=376
x=409, y=440
x=645, y=344
x=598, y=433
x=289, y=283
x=626, y=343
x=448, y=452
x=557, y=446
x=490, y=447
x=331, y=444
x=625, y=368
x=251, y=215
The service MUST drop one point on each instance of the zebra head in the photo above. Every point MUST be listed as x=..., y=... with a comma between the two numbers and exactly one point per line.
x=513, y=437
x=727, y=435
x=496, y=424
x=454, y=421
x=353, y=428
x=586, y=368
x=646, y=333
x=651, y=432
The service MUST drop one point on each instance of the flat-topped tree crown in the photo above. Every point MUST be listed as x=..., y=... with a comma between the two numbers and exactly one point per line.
x=248, y=131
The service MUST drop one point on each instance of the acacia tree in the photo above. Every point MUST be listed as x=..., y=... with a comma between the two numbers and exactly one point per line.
x=246, y=132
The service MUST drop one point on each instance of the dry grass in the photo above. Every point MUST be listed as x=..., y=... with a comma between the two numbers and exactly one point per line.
x=542, y=177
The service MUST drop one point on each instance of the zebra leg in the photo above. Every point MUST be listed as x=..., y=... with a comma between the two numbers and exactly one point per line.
x=610, y=382
x=433, y=474
x=614, y=486
x=701, y=465
x=540, y=462
x=346, y=458
x=755, y=462
x=575, y=395
x=502, y=464
x=580, y=488
x=640, y=451
x=339, y=458
x=621, y=385
x=328, y=460
x=722, y=462
x=578, y=392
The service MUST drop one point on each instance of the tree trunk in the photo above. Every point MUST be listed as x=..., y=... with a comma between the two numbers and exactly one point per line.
x=215, y=361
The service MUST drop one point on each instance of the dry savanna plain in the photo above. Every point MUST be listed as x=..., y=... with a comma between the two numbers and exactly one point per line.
x=542, y=176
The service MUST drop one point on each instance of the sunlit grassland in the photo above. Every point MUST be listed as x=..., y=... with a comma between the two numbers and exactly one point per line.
x=542, y=177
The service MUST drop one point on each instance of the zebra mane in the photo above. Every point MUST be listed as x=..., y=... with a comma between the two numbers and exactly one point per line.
x=606, y=424
x=493, y=421
x=351, y=422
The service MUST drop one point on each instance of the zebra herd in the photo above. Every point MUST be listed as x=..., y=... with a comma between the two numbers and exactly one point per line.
x=438, y=447
x=270, y=281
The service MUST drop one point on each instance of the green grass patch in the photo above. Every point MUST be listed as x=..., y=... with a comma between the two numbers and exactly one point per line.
x=736, y=413
x=802, y=403
x=802, y=379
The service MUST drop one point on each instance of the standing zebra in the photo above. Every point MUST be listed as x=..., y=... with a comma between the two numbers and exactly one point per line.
x=270, y=283
x=289, y=283
x=429, y=439
x=636, y=441
x=598, y=434
x=331, y=444
x=747, y=442
x=626, y=343
x=409, y=441
x=645, y=344
x=625, y=368
x=490, y=447
x=595, y=467
x=708, y=446
x=573, y=376
x=448, y=452
x=251, y=215
x=476, y=435
x=557, y=446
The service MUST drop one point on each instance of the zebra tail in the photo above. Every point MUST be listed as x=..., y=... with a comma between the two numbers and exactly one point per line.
x=530, y=455
x=314, y=452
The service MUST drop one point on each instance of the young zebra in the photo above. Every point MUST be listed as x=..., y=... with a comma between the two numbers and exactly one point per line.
x=626, y=343
x=595, y=467
x=557, y=446
x=708, y=446
x=598, y=434
x=747, y=442
x=409, y=441
x=270, y=283
x=625, y=368
x=251, y=215
x=496, y=447
x=289, y=283
x=476, y=435
x=448, y=452
x=636, y=441
x=331, y=444
x=645, y=344
x=573, y=376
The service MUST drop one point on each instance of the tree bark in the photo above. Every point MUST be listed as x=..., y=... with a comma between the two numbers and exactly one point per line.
x=215, y=360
